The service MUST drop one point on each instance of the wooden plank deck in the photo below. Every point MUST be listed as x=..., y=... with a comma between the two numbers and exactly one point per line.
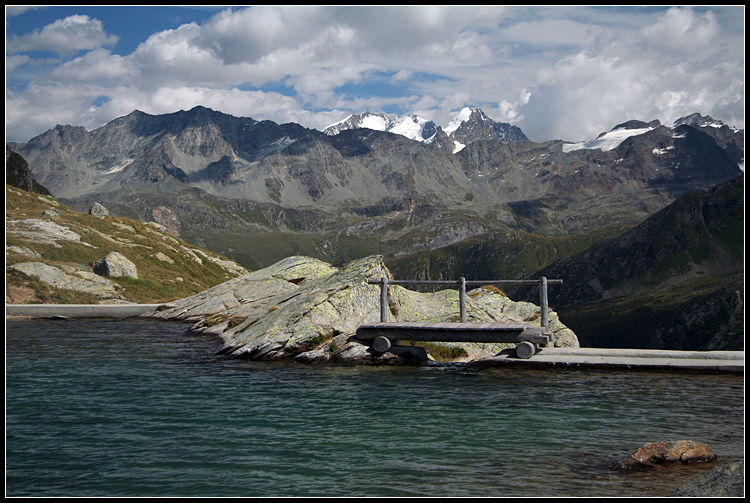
x=454, y=332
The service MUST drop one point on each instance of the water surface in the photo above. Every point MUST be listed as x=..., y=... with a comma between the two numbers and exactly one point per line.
x=136, y=408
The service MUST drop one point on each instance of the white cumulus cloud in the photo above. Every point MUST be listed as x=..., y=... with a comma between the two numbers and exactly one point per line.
x=63, y=37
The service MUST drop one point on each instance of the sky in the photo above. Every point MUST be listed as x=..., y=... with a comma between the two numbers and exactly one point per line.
x=565, y=73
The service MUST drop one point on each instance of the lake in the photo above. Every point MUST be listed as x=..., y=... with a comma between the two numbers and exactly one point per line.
x=138, y=408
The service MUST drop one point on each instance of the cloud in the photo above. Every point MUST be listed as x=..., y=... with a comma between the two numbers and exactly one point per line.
x=551, y=32
x=64, y=37
x=565, y=73
x=15, y=10
x=682, y=31
x=669, y=68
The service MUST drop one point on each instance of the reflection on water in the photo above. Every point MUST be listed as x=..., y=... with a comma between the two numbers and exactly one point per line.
x=135, y=408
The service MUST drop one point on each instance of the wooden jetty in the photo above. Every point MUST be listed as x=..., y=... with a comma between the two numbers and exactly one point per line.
x=527, y=337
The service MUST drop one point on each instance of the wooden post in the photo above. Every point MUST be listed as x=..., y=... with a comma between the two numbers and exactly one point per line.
x=462, y=299
x=384, y=300
x=543, y=303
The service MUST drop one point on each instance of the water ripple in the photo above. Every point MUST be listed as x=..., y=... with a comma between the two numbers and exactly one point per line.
x=135, y=408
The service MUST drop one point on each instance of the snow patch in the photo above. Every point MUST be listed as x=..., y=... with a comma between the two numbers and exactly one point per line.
x=607, y=141
x=275, y=147
x=118, y=167
x=454, y=124
x=660, y=151
x=376, y=122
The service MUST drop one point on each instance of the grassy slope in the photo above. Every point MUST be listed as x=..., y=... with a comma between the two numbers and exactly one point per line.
x=158, y=280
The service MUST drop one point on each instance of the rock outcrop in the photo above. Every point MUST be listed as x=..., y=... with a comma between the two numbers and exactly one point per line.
x=40, y=231
x=304, y=309
x=659, y=453
x=18, y=174
x=73, y=279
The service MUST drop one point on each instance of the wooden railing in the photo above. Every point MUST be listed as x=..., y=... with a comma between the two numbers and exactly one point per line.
x=462, y=282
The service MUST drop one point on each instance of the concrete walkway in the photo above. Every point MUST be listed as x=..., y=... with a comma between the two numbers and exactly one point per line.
x=646, y=359
x=79, y=310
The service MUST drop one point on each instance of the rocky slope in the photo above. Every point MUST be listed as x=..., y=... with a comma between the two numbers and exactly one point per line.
x=18, y=174
x=676, y=281
x=56, y=255
x=307, y=310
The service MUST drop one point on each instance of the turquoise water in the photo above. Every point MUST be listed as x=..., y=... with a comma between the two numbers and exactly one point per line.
x=136, y=408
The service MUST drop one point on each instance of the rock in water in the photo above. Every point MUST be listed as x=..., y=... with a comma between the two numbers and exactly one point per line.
x=115, y=264
x=721, y=482
x=658, y=453
x=302, y=308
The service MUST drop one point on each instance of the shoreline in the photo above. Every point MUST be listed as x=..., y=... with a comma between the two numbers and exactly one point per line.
x=598, y=358
x=64, y=311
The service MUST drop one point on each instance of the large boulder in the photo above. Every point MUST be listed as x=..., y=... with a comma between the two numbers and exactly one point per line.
x=115, y=265
x=306, y=309
x=98, y=211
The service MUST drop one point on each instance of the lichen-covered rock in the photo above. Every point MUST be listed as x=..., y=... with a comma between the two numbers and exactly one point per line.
x=51, y=214
x=41, y=231
x=98, y=211
x=657, y=453
x=82, y=281
x=306, y=309
x=115, y=265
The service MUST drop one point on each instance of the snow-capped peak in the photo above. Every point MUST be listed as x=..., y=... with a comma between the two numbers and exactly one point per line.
x=412, y=126
x=456, y=122
x=698, y=120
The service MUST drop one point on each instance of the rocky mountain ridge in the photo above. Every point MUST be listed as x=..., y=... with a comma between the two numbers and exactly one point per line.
x=272, y=191
x=469, y=125
x=675, y=281
x=258, y=191
x=286, y=164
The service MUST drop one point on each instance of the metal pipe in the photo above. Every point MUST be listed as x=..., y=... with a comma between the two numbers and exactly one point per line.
x=462, y=299
x=543, y=303
x=384, y=301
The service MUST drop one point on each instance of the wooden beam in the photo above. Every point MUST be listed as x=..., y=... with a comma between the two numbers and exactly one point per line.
x=454, y=332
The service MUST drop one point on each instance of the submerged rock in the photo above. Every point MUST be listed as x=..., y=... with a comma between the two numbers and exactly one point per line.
x=658, y=453
x=304, y=309
x=721, y=482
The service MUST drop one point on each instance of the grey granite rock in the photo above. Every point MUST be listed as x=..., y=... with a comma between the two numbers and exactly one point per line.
x=304, y=309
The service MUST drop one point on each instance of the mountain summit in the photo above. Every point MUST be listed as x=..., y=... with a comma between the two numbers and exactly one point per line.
x=468, y=126
x=471, y=124
x=412, y=126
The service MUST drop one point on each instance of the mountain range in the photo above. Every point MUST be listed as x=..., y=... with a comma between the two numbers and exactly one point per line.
x=475, y=198
x=470, y=125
